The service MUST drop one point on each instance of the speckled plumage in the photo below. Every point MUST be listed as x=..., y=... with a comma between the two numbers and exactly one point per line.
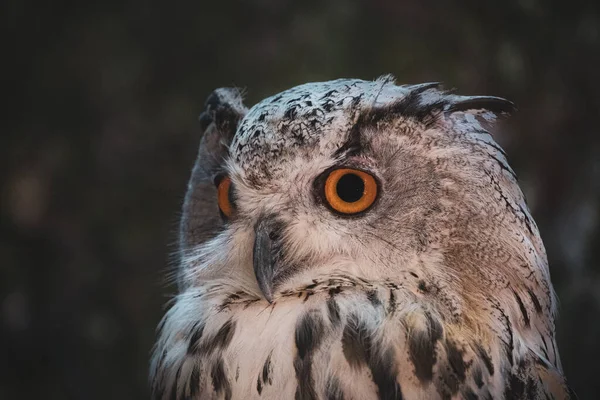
x=440, y=290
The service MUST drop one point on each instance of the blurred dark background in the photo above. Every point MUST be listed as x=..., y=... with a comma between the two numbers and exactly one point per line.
x=100, y=131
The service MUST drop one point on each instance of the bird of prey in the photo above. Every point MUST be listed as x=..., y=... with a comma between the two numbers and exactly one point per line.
x=360, y=240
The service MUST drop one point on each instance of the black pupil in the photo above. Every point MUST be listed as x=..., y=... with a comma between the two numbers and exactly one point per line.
x=350, y=188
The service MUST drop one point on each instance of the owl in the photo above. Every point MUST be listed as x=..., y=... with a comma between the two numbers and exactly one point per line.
x=360, y=240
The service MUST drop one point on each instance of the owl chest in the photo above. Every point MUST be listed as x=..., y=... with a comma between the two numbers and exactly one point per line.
x=316, y=348
x=351, y=346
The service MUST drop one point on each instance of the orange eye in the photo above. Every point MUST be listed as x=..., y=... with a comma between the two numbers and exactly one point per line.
x=223, y=197
x=350, y=191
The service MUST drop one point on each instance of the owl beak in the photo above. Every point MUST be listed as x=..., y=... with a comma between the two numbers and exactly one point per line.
x=266, y=236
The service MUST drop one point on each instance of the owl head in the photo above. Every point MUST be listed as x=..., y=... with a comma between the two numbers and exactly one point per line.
x=359, y=178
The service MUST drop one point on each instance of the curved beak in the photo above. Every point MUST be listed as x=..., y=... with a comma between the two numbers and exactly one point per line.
x=267, y=234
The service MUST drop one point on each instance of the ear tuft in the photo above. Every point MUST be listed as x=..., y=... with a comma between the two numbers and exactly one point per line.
x=200, y=218
x=222, y=113
x=496, y=105
x=224, y=108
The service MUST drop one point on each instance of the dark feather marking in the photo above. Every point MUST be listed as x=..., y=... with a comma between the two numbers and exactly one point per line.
x=308, y=337
x=276, y=98
x=448, y=383
x=373, y=298
x=384, y=369
x=421, y=347
x=248, y=303
x=267, y=370
x=329, y=94
x=235, y=296
x=544, y=341
x=335, y=290
x=194, y=383
x=528, y=221
x=535, y=301
x=531, y=388
x=220, y=340
x=519, y=385
x=353, y=144
x=509, y=347
x=198, y=330
x=452, y=370
x=291, y=112
x=485, y=357
x=545, y=348
x=522, y=308
x=259, y=386
x=334, y=311
x=265, y=376
x=333, y=391
x=355, y=340
x=356, y=100
x=411, y=106
x=514, y=387
x=219, y=380
x=309, y=333
x=456, y=361
x=359, y=349
x=477, y=377
x=392, y=303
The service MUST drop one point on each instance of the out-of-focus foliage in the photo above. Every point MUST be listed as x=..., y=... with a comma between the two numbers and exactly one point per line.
x=99, y=133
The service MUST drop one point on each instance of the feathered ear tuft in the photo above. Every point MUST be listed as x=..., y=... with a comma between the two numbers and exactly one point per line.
x=496, y=105
x=224, y=107
x=219, y=121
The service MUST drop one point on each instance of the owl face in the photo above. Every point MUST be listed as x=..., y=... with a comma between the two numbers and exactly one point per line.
x=344, y=177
